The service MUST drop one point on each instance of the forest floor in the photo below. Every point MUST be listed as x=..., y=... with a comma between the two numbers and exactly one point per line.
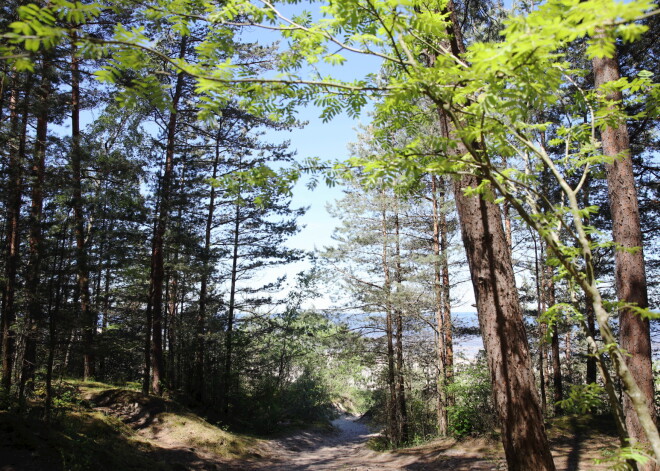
x=345, y=449
x=124, y=430
x=576, y=444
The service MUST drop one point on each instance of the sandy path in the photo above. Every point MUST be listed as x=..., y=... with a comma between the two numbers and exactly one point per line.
x=344, y=450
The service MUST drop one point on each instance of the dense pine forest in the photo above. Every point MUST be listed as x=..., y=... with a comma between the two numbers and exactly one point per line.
x=507, y=162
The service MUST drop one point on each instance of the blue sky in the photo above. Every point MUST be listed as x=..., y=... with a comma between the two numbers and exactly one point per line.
x=328, y=141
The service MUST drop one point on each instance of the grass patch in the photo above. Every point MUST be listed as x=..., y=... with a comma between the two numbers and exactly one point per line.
x=192, y=431
x=95, y=426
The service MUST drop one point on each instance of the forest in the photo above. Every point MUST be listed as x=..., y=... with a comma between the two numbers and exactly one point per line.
x=506, y=162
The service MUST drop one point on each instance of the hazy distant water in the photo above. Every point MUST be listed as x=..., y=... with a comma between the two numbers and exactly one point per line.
x=467, y=345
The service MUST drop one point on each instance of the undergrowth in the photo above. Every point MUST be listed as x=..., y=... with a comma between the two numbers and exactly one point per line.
x=92, y=426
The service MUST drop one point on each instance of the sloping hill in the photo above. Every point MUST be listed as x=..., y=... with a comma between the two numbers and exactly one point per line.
x=103, y=428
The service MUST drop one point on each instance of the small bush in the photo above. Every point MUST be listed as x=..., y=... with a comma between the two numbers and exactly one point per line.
x=473, y=412
x=308, y=399
x=585, y=398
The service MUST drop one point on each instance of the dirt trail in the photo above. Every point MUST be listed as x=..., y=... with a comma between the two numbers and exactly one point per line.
x=345, y=450
x=185, y=442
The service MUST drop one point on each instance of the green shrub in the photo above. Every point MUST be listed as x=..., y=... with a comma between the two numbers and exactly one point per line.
x=585, y=398
x=472, y=412
x=307, y=398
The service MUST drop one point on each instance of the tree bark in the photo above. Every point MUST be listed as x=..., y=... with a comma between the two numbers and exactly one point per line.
x=104, y=318
x=157, y=255
x=446, y=295
x=557, y=382
x=34, y=304
x=440, y=315
x=88, y=317
x=402, y=411
x=540, y=308
x=392, y=415
x=589, y=308
x=55, y=299
x=227, y=373
x=500, y=317
x=12, y=255
x=630, y=273
x=502, y=328
x=146, y=374
x=200, y=344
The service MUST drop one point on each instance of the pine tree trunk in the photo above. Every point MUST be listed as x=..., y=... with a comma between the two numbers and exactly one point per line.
x=55, y=290
x=500, y=317
x=229, y=341
x=402, y=419
x=446, y=295
x=502, y=328
x=86, y=312
x=172, y=377
x=14, y=193
x=34, y=304
x=568, y=352
x=104, y=319
x=558, y=393
x=146, y=374
x=441, y=413
x=157, y=254
x=541, y=326
x=630, y=273
x=589, y=309
x=200, y=344
x=392, y=404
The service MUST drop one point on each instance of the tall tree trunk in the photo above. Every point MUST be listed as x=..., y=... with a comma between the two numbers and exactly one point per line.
x=157, y=256
x=502, y=328
x=198, y=381
x=178, y=355
x=227, y=373
x=440, y=315
x=542, y=326
x=173, y=378
x=146, y=374
x=500, y=317
x=402, y=411
x=446, y=294
x=87, y=314
x=34, y=304
x=392, y=404
x=12, y=255
x=102, y=284
x=630, y=274
x=104, y=319
x=172, y=313
x=55, y=298
x=558, y=393
x=589, y=308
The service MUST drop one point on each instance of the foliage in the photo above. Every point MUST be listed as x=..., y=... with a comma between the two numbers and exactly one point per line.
x=584, y=398
x=473, y=411
x=620, y=459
